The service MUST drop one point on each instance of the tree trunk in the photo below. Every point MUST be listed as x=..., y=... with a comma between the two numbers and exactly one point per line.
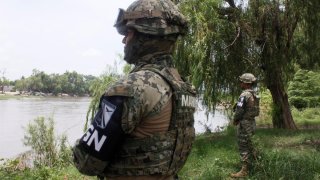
x=281, y=116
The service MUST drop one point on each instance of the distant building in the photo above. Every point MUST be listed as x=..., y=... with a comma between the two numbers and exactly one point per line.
x=6, y=88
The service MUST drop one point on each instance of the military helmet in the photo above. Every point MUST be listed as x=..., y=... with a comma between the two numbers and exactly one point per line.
x=247, y=78
x=154, y=17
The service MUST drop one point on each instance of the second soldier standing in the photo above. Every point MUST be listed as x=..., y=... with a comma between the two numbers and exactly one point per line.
x=247, y=108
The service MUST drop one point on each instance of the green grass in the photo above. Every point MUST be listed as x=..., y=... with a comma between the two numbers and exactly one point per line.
x=284, y=154
x=43, y=173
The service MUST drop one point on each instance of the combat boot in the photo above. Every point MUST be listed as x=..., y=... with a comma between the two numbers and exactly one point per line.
x=242, y=173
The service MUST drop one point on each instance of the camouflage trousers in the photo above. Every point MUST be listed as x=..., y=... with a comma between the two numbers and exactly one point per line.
x=246, y=129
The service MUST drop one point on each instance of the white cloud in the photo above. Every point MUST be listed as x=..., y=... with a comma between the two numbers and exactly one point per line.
x=92, y=53
x=6, y=46
x=2, y=50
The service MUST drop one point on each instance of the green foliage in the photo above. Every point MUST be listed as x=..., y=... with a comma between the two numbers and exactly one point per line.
x=304, y=118
x=40, y=137
x=8, y=166
x=45, y=146
x=304, y=89
x=50, y=155
x=4, y=82
x=202, y=56
x=227, y=38
x=307, y=42
x=70, y=83
x=44, y=173
x=64, y=151
x=21, y=85
x=308, y=117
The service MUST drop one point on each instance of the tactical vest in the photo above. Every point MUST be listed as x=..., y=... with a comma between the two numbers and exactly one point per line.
x=254, y=110
x=256, y=104
x=162, y=153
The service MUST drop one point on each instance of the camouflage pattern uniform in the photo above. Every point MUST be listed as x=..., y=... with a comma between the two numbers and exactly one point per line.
x=147, y=152
x=247, y=108
x=158, y=110
x=245, y=114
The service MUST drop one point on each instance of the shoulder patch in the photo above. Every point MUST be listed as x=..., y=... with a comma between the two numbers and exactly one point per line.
x=107, y=111
x=240, y=101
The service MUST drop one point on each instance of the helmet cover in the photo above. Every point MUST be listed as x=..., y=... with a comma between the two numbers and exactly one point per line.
x=247, y=78
x=154, y=17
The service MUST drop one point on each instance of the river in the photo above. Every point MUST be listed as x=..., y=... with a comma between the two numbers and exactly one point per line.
x=69, y=115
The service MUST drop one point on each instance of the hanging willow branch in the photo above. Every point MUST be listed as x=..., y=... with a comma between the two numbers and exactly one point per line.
x=235, y=39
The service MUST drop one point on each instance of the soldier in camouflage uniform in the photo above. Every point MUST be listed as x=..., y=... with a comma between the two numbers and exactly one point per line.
x=246, y=109
x=144, y=126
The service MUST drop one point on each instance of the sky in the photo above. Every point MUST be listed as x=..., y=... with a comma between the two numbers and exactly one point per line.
x=59, y=36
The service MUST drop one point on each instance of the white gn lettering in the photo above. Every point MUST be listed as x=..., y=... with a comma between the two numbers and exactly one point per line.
x=89, y=137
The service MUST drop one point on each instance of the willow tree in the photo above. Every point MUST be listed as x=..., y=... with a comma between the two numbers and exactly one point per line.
x=227, y=39
x=307, y=35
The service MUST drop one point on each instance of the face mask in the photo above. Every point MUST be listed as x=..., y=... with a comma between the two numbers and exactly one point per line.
x=142, y=46
x=131, y=50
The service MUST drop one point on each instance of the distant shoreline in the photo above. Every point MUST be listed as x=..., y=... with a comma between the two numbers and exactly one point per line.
x=7, y=95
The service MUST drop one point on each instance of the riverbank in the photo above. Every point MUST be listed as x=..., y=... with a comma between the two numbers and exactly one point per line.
x=283, y=154
x=7, y=95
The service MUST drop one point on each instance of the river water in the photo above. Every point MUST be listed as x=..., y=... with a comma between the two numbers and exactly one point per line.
x=69, y=115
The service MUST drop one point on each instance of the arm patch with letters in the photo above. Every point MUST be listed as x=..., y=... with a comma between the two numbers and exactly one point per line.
x=96, y=148
x=240, y=101
x=239, y=109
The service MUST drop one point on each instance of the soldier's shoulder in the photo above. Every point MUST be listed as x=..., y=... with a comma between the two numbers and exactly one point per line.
x=146, y=78
x=246, y=93
x=135, y=83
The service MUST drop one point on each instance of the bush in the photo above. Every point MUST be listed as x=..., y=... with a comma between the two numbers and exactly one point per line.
x=47, y=149
x=304, y=89
x=298, y=102
x=306, y=117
